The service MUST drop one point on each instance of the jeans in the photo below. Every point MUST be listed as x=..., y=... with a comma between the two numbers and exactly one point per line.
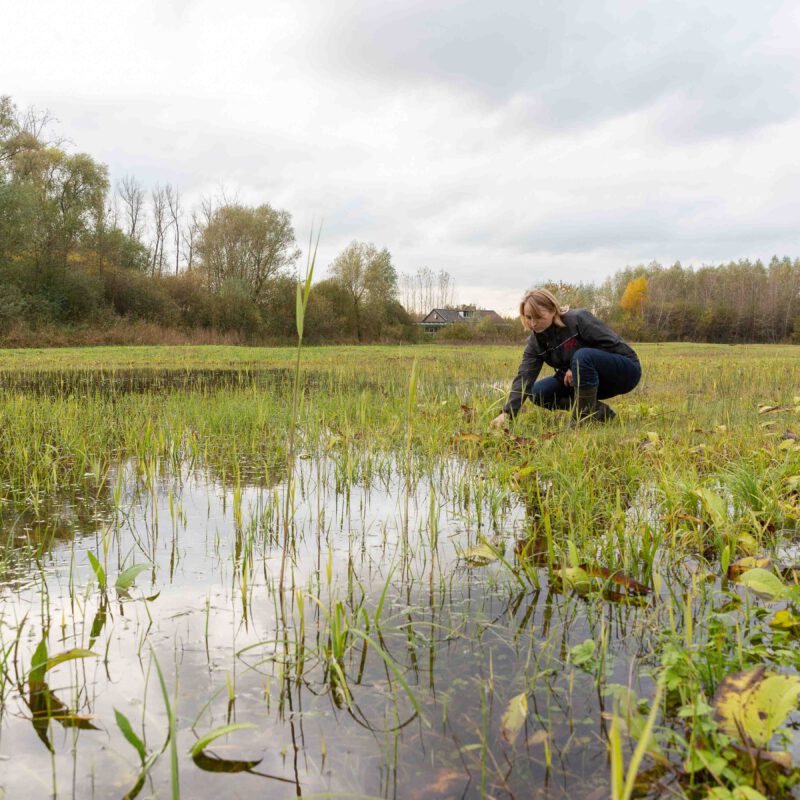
x=611, y=373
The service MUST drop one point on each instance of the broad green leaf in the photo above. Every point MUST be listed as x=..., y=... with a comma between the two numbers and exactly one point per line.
x=575, y=578
x=99, y=572
x=714, y=506
x=127, y=731
x=126, y=578
x=68, y=655
x=751, y=706
x=514, y=717
x=582, y=653
x=764, y=583
x=224, y=730
x=38, y=665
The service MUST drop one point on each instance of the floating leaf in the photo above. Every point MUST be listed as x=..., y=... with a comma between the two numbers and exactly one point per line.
x=126, y=578
x=736, y=569
x=764, y=583
x=514, y=717
x=751, y=706
x=224, y=730
x=785, y=620
x=619, y=578
x=479, y=555
x=575, y=578
x=210, y=763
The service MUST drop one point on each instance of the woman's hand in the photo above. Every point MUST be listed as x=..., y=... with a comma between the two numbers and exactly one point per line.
x=499, y=420
x=568, y=378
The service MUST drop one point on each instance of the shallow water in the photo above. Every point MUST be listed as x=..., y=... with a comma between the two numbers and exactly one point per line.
x=465, y=639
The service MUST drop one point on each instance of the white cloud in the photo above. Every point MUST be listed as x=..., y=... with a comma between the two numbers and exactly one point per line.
x=507, y=145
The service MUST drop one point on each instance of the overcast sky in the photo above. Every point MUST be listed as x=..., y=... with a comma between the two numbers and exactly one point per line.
x=508, y=143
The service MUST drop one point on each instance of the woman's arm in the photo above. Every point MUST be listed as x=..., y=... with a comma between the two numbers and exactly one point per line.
x=528, y=372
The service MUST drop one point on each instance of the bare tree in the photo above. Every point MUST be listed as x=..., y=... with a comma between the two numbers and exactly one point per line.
x=161, y=225
x=174, y=204
x=131, y=194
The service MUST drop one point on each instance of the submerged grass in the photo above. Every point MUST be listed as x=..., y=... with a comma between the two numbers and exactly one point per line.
x=400, y=603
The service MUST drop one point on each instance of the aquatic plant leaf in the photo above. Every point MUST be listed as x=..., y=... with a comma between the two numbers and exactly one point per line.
x=619, y=578
x=750, y=706
x=210, y=763
x=785, y=620
x=514, y=717
x=130, y=736
x=583, y=654
x=747, y=543
x=736, y=569
x=99, y=572
x=98, y=623
x=68, y=655
x=38, y=665
x=714, y=507
x=575, y=578
x=764, y=583
x=126, y=578
x=224, y=730
x=479, y=555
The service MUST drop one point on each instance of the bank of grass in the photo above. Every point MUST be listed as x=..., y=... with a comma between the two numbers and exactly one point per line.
x=701, y=470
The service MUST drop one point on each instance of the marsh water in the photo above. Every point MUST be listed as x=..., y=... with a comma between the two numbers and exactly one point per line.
x=413, y=708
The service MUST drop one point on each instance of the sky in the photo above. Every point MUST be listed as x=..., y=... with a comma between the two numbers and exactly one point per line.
x=508, y=143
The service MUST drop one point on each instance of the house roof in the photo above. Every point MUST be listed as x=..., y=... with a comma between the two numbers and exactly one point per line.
x=446, y=316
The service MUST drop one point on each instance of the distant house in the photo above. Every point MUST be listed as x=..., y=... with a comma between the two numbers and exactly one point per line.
x=440, y=317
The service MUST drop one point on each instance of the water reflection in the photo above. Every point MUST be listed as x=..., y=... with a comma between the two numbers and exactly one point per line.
x=385, y=673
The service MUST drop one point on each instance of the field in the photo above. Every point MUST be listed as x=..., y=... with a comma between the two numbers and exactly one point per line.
x=209, y=589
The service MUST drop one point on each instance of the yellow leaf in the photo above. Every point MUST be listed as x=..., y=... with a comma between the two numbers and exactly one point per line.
x=785, y=620
x=751, y=706
x=748, y=562
x=514, y=717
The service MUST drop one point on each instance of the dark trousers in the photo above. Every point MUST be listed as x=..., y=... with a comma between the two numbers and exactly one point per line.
x=612, y=374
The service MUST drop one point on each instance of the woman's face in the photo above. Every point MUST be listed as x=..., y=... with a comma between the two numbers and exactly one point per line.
x=538, y=320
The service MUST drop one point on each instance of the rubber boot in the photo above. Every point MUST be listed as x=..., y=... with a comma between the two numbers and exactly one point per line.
x=604, y=413
x=585, y=407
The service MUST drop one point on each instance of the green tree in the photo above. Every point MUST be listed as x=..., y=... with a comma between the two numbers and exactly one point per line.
x=249, y=245
x=369, y=282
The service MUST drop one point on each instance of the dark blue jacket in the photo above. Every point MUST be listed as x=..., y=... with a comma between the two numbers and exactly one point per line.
x=556, y=346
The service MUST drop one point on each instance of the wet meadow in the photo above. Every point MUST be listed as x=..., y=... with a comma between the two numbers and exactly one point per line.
x=221, y=575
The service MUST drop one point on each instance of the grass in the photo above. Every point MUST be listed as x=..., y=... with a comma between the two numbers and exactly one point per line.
x=307, y=566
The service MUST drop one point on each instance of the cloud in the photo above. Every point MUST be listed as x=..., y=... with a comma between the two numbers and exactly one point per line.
x=506, y=144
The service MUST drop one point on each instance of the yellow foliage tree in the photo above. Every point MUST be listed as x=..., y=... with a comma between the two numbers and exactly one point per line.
x=634, y=298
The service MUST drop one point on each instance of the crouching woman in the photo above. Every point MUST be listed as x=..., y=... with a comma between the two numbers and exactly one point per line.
x=591, y=362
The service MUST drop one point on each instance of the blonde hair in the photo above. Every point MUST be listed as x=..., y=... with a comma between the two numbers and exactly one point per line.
x=542, y=301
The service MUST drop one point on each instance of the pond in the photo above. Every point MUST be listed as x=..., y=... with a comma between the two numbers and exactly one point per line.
x=386, y=672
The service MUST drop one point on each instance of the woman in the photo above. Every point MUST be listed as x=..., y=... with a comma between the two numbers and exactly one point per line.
x=591, y=362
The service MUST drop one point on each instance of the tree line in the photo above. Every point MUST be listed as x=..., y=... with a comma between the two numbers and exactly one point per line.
x=76, y=253
x=125, y=264
x=741, y=301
